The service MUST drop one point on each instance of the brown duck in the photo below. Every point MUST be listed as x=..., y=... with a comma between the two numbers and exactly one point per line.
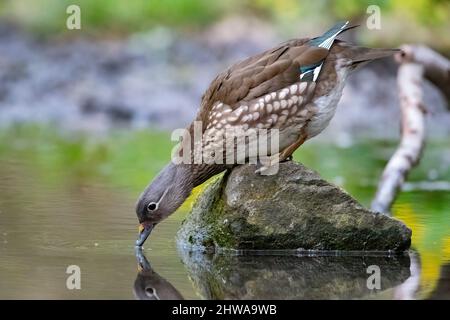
x=292, y=89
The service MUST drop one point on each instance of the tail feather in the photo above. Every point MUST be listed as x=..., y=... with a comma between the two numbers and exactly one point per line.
x=359, y=55
x=326, y=40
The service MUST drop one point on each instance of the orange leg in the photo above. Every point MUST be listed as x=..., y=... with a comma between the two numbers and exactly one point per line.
x=290, y=150
x=276, y=158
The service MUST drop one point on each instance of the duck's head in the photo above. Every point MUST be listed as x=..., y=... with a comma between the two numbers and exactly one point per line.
x=163, y=196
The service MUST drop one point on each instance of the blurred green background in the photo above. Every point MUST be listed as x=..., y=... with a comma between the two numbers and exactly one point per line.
x=428, y=18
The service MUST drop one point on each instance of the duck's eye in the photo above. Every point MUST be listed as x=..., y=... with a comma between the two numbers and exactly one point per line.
x=152, y=206
x=151, y=293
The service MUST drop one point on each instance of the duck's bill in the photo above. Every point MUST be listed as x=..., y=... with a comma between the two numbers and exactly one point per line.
x=144, y=231
x=143, y=264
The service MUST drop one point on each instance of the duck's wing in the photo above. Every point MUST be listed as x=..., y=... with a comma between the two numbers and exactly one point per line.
x=262, y=74
x=298, y=60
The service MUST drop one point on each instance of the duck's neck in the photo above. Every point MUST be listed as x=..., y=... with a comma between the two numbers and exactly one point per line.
x=202, y=172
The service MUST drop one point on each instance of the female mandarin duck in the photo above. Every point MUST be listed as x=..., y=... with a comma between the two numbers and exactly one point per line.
x=294, y=88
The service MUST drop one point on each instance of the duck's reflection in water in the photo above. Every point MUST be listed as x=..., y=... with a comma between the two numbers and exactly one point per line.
x=219, y=276
x=295, y=277
x=149, y=285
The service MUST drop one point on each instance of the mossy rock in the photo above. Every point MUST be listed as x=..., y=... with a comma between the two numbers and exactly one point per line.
x=294, y=209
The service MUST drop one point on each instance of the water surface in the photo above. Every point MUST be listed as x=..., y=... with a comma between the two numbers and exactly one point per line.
x=69, y=200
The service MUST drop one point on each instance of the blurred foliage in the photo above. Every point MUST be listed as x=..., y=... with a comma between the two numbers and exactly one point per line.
x=430, y=233
x=130, y=159
x=49, y=16
x=105, y=16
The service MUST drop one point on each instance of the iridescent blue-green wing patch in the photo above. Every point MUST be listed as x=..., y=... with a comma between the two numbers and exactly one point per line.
x=311, y=72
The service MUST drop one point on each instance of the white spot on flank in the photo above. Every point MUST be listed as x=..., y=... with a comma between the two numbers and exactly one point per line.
x=294, y=110
x=281, y=120
x=238, y=112
x=267, y=98
x=283, y=104
x=293, y=88
x=273, y=95
x=276, y=105
x=302, y=86
x=269, y=108
x=303, y=113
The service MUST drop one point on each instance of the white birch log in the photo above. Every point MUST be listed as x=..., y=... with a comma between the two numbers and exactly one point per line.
x=436, y=67
x=408, y=289
x=410, y=75
x=416, y=62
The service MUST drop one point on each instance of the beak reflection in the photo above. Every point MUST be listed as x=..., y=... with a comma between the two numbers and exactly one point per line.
x=144, y=231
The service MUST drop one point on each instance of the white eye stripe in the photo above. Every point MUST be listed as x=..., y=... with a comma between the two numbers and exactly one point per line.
x=157, y=203
x=163, y=195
